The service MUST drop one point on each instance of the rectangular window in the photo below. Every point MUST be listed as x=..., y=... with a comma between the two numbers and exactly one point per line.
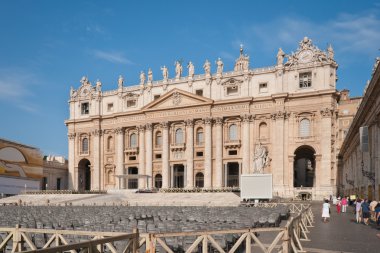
x=263, y=87
x=158, y=156
x=131, y=103
x=85, y=108
x=199, y=92
x=132, y=158
x=156, y=97
x=232, y=152
x=233, y=90
x=199, y=154
x=305, y=80
x=110, y=107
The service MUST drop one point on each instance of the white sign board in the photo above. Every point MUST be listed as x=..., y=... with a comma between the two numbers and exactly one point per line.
x=13, y=186
x=256, y=186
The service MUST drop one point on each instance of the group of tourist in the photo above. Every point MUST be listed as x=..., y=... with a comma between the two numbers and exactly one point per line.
x=364, y=210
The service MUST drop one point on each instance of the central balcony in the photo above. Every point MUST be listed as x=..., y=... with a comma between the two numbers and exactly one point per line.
x=232, y=144
x=131, y=150
x=177, y=146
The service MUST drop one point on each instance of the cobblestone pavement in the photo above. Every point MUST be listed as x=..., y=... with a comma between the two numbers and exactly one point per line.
x=341, y=234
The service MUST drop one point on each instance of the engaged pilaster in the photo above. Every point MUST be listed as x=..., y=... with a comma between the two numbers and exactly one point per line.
x=245, y=142
x=165, y=155
x=142, y=180
x=95, y=180
x=208, y=151
x=149, y=154
x=71, y=180
x=219, y=152
x=120, y=157
x=190, y=153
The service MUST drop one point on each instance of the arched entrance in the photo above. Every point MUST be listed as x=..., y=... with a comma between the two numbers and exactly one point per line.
x=304, y=167
x=233, y=174
x=133, y=182
x=84, y=175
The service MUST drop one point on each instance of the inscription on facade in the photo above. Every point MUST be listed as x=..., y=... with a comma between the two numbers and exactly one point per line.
x=182, y=112
x=262, y=106
x=223, y=108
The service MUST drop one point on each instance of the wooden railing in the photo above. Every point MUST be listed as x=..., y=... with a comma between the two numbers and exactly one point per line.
x=285, y=239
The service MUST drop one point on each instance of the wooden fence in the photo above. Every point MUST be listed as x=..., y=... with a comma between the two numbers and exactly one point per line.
x=285, y=239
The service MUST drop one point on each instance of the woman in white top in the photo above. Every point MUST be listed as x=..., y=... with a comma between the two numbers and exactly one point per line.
x=325, y=210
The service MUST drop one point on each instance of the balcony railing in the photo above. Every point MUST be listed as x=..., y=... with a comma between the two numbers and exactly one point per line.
x=232, y=143
x=131, y=150
x=177, y=146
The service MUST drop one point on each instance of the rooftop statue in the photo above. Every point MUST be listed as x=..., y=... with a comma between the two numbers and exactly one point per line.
x=330, y=53
x=219, y=68
x=165, y=72
x=150, y=75
x=98, y=86
x=142, y=78
x=280, y=56
x=178, y=69
x=120, y=81
x=190, y=67
x=207, y=68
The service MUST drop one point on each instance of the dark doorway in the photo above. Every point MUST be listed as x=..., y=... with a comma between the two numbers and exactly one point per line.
x=233, y=174
x=84, y=175
x=158, y=181
x=199, y=180
x=58, y=183
x=304, y=167
x=133, y=183
x=178, y=176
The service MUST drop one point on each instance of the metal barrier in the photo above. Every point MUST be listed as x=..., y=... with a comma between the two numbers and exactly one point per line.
x=287, y=239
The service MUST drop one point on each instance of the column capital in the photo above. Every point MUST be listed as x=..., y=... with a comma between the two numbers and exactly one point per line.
x=189, y=122
x=280, y=115
x=219, y=121
x=246, y=117
x=326, y=112
x=207, y=120
x=97, y=132
x=164, y=124
x=141, y=128
x=148, y=126
x=71, y=136
x=119, y=130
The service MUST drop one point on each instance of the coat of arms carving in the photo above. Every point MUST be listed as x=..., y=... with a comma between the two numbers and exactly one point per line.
x=176, y=98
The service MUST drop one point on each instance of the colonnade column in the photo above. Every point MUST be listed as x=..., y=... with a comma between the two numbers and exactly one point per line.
x=165, y=155
x=95, y=181
x=149, y=154
x=120, y=157
x=189, y=154
x=245, y=143
x=71, y=180
x=142, y=180
x=218, y=152
x=208, y=151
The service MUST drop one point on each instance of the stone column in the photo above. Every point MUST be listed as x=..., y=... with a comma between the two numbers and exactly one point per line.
x=72, y=182
x=189, y=153
x=95, y=180
x=165, y=155
x=208, y=155
x=290, y=177
x=278, y=151
x=120, y=157
x=326, y=130
x=149, y=154
x=142, y=180
x=219, y=152
x=245, y=143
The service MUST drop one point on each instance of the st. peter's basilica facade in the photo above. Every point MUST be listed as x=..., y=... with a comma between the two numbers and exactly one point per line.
x=206, y=130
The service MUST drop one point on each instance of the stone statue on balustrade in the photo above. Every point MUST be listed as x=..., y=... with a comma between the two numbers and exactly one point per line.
x=219, y=66
x=190, y=67
x=150, y=75
x=207, y=68
x=280, y=56
x=260, y=159
x=120, y=82
x=142, y=78
x=178, y=70
x=165, y=72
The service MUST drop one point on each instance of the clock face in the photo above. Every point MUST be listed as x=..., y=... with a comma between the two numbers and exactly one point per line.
x=305, y=56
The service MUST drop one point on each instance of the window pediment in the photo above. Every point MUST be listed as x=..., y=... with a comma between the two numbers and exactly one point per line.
x=232, y=82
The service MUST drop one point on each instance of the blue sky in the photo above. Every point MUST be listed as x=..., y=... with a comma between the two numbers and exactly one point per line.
x=47, y=46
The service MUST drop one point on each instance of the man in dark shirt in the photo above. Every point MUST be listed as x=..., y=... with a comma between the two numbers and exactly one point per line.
x=365, y=211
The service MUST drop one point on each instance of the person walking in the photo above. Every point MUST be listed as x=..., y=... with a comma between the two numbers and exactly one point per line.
x=365, y=212
x=326, y=210
x=338, y=205
x=344, y=204
x=358, y=205
x=377, y=211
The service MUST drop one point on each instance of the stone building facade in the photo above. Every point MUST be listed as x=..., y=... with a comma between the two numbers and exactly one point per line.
x=359, y=158
x=206, y=130
x=55, y=174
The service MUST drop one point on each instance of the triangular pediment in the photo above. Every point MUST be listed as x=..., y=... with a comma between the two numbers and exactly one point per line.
x=177, y=98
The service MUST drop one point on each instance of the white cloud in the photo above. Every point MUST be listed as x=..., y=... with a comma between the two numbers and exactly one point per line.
x=114, y=57
x=349, y=33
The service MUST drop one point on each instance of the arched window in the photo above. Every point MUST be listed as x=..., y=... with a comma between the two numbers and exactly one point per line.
x=179, y=136
x=199, y=180
x=304, y=130
x=199, y=136
x=158, y=139
x=263, y=131
x=84, y=145
x=232, y=132
x=158, y=181
x=133, y=140
x=109, y=143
